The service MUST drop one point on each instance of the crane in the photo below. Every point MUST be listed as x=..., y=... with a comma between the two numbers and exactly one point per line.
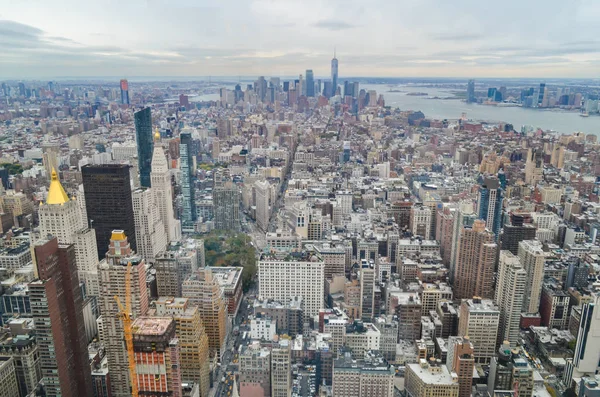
x=125, y=315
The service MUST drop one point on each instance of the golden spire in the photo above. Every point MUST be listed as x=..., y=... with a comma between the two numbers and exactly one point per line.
x=156, y=135
x=56, y=193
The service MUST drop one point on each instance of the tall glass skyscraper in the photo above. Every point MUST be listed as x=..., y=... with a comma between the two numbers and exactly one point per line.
x=144, y=138
x=310, y=83
x=187, y=185
x=124, y=92
x=108, y=202
x=489, y=204
x=471, y=92
x=334, y=74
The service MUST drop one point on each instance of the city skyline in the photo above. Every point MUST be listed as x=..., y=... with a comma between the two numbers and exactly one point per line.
x=262, y=37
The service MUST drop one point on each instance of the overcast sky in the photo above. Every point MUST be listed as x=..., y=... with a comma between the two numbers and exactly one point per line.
x=403, y=38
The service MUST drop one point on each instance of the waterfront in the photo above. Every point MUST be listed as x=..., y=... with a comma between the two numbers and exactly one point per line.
x=564, y=122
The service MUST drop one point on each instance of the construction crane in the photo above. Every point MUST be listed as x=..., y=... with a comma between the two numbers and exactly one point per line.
x=125, y=315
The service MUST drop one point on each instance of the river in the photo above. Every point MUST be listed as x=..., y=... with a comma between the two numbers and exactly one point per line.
x=564, y=122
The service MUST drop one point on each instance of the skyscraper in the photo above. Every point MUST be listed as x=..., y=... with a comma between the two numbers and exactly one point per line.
x=510, y=292
x=204, y=291
x=367, y=291
x=474, y=272
x=262, y=192
x=516, y=232
x=163, y=191
x=460, y=361
x=310, y=83
x=471, y=92
x=150, y=233
x=226, y=202
x=541, y=93
x=532, y=259
x=193, y=341
x=479, y=320
x=144, y=137
x=587, y=350
x=281, y=369
x=113, y=273
x=157, y=356
x=61, y=217
x=305, y=275
x=124, y=92
x=534, y=167
x=489, y=204
x=464, y=216
x=108, y=202
x=334, y=74
x=57, y=310
x=187, y=179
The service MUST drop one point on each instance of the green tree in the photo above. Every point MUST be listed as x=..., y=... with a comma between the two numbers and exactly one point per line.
x=13, y=168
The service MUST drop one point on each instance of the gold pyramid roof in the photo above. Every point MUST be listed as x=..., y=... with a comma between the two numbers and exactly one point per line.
x=56, y=193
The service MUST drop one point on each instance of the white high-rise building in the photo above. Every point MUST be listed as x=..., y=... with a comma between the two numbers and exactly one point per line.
x=420, y=221
x=479, y=319
x=304, y=276
x=587, y=350
x=160, y=177
x=345, y=200
x=61, y=217
x=262, y=191
x=150, y=234
x=510, y=291
x=532, y=258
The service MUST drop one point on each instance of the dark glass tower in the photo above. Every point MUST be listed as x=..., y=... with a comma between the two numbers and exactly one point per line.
x=310, y=83
x=187, y=182
x=471, y=92
x=57, y=311
x=108, y=202
x=143, y=135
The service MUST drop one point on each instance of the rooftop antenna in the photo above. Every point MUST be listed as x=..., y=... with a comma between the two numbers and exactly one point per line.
x=334, y=51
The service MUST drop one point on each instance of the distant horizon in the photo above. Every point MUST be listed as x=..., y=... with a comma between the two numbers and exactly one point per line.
x=251, y=78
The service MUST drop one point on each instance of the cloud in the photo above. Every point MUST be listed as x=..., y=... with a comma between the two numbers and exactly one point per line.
x=16, y=29
x=286, y=37
x=459, y=37
x=331, y=24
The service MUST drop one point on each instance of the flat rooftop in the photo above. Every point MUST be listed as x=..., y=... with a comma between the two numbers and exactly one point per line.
x=227, y=276
x=151, y=326
x=438, y=375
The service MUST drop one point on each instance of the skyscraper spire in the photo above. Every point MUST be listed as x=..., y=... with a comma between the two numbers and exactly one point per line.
x=333, y=52
x=56, y=193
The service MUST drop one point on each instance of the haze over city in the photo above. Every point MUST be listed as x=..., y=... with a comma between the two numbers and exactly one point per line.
x=300, y=198
x=466, y=38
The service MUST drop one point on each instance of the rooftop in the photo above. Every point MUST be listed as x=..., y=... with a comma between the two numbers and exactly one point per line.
x=151, y=326
x=56, y=193
x=227, y=276
x=436, y=374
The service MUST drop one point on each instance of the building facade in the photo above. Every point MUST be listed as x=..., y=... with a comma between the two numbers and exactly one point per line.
x=144, y=138
x=304, y=277
x=57, y=310
x=108, y=202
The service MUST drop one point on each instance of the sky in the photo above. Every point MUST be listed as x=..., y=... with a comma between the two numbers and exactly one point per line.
x=378, y=38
